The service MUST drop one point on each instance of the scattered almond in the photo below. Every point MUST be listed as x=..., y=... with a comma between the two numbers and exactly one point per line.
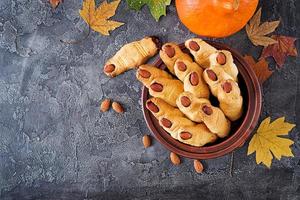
x=198, y=166
x=146, y=141
x=117, y=107
x=105, y=105
x=174, y=158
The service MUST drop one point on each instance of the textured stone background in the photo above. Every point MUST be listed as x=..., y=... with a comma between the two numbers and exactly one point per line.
x=54, y=144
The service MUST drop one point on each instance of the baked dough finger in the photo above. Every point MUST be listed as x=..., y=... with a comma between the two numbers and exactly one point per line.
x=231, y=101
x=169, y=117
x=201, y=110
x=131, y=55
x=213, y=76
x=166, y=89
x=195, y=84
x=200, y=50
x=172, y=123
x=224, y=59
x=215, y=120
x=198, y=135
x=190, y=105
x=178, y=126
x=190, y=73
x=183, y=67
x=147, y=73
x=159, y=107
x=170, y=52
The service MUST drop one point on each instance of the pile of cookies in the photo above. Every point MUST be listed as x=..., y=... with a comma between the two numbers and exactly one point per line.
x=180, y=97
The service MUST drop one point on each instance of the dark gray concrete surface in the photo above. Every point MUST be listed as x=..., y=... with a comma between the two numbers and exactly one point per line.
x=54, y=143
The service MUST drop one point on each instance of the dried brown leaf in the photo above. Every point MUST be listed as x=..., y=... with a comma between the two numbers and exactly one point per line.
x=284, y=47
x=257, y=32
x=261, y=68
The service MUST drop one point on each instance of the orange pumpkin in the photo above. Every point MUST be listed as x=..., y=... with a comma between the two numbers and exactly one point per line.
x=215, y=18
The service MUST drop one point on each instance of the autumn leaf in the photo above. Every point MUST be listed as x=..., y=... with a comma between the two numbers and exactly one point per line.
x=97, y=18
x=257, y=32
x=284, y=47
x=261, y=68
x=267, y=144
x=55, y=3
x=157, y=7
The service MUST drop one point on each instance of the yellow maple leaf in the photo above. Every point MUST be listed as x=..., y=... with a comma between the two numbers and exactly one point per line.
x=97, y=19
x=257, y=32
x=266, y=142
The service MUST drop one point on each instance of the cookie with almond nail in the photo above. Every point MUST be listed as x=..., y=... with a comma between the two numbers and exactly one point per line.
x=188, y=104
x=131, y=56
x=166, y=89
x=190, y=73
x=147, y=73
x=231, y=101
x=172, y=123
x=170, y=52
x=158, y=107
x=213, y=76
x=197, y=135
x=224, y=59
x=178, y=126
x=200, y=50
x=201, y=110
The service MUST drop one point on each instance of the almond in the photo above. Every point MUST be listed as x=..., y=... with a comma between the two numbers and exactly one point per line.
x=198, y=166
x=146, y=141
x=156, y=87
x=109, y=68
x=227, y=87
x=185, y=101
x=174, y=158
x=181, y=66
x=117, y=107
x=144, y=73
x=194, y=46
x=194, y=79
x=169, y=50
x=221, y=58
x=185, y=135
x=166, y=123
x=207, y=110
x=211, y=75
x=152, y=107
x=105, y=105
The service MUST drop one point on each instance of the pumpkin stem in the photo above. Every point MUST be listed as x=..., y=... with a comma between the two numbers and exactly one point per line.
x=235, y=4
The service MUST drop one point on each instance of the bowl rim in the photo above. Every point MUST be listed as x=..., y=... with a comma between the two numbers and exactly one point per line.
x=236, y=139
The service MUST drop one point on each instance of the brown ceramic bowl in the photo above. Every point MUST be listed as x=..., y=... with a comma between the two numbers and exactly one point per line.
x=241, y=129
